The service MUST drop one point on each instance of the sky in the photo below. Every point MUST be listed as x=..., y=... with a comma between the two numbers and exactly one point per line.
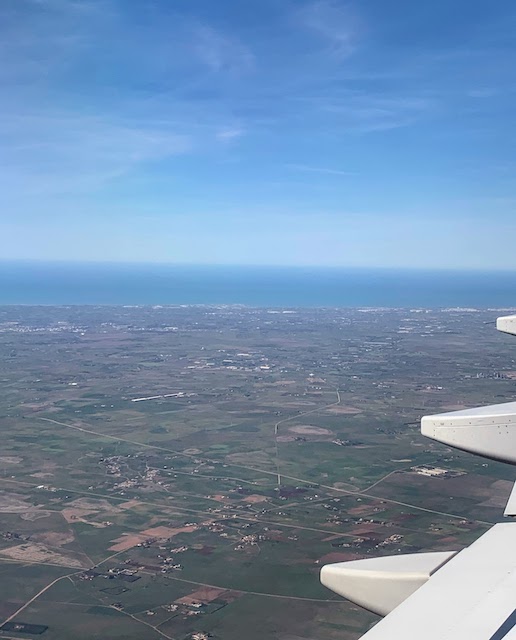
x=281, y=132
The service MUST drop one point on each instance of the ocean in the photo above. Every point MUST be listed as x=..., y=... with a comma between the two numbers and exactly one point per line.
x=136, y=284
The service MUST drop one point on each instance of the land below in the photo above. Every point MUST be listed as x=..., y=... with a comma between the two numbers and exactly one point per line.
x=184, y=472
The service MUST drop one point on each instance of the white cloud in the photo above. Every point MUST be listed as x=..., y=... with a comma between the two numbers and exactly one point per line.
x=60, y=152
x=73, y=115
x=230, y=133
x=220, y=52
x=336, y=24
x=365, y=113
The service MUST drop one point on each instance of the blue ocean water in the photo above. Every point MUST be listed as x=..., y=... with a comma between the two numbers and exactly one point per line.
x=136, y=284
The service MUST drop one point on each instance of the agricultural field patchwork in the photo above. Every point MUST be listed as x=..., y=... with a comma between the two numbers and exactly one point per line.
x=184, y=472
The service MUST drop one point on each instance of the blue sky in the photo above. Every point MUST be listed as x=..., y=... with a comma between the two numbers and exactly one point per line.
x=299, y=132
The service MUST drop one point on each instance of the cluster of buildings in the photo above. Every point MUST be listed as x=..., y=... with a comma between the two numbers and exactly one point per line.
x=436, y=472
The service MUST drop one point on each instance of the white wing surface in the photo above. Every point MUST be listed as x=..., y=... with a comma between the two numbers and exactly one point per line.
x=506, y=324
x=469, y=595
x=472, y=597
x=381, y=584
x=487, y=431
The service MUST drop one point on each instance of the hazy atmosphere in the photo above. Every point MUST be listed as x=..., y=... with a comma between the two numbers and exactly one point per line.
x=256, y=336
x=276, y=132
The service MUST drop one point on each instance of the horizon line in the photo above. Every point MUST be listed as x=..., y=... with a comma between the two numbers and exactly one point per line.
x=197, y=265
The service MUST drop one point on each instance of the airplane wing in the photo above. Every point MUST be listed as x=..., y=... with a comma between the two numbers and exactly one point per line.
x=506, y=324
x=465, y=595
x=472, y=596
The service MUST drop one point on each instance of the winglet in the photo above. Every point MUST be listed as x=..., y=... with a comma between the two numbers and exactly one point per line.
x=381, y=584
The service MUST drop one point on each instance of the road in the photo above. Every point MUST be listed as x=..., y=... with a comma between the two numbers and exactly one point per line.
x=173, y=509
x=40, y=593
x=297, y=415
x=362, y=494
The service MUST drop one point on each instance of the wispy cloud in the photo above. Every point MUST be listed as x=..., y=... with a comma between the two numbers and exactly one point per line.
x=324, y=170
x=74, y=114
x=220, y=52
x=369, y=112
x=230, y=133
x=483, y=92
x=106, y=97
x=335, y=23
x=59, y=152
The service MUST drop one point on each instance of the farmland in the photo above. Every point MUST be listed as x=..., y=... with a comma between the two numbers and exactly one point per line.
x=184, y=472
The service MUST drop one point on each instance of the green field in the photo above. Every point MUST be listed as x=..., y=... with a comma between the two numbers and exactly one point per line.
x=155, y=458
